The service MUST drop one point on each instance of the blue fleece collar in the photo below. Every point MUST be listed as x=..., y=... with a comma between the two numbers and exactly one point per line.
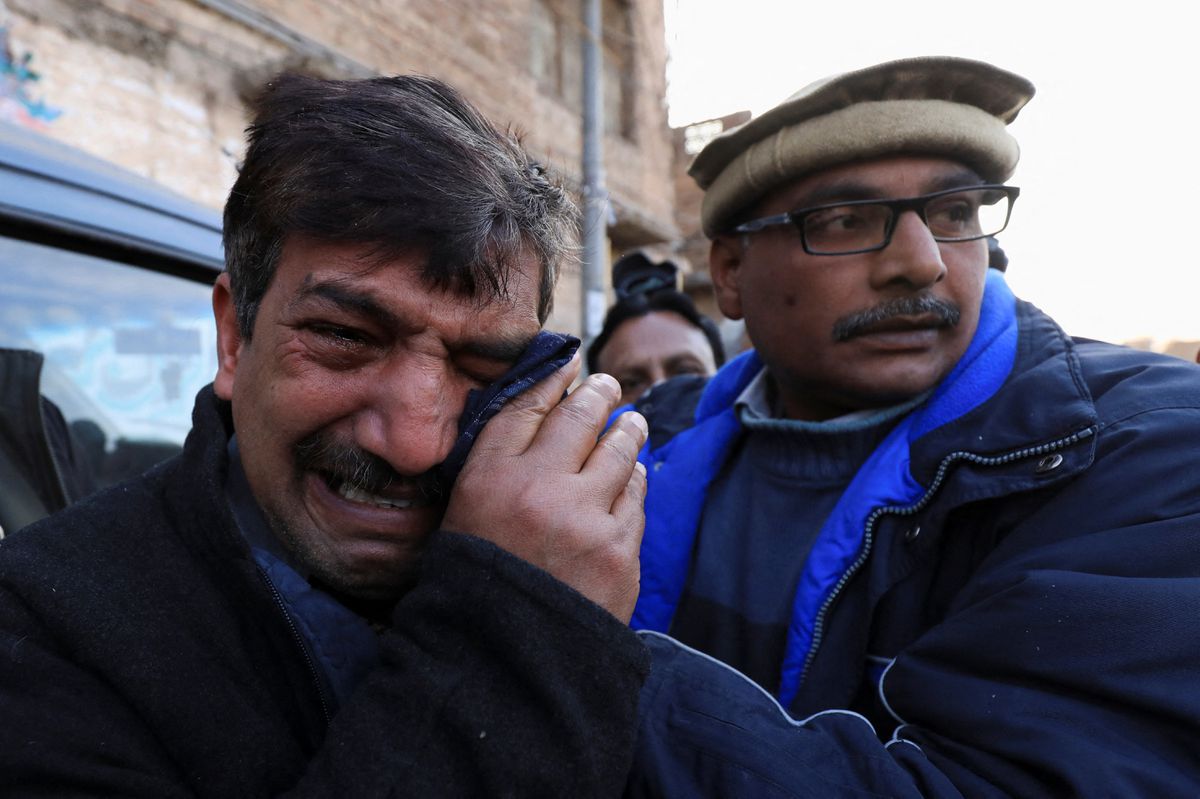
x=680, y=473
x=885, y=479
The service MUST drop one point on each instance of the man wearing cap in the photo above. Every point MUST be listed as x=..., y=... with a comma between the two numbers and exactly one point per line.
x=955, y=545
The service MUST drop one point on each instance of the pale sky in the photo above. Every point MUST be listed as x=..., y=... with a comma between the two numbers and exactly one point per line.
x=1105, y=234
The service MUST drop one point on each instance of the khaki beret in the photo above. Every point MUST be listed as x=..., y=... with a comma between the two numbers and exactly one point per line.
x=942, y=106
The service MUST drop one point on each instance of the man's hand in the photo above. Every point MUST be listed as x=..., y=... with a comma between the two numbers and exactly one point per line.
x=540, y=485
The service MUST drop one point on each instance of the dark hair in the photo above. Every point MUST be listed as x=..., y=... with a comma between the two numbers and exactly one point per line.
x=996, y=258
x=636, y=273
x=635, y=306
x=399, y=163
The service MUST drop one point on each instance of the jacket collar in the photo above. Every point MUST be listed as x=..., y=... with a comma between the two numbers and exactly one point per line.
x=1043, y=399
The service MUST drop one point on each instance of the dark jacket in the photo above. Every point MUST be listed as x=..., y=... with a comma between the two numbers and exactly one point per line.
x=1024, y=627
x=143, y=654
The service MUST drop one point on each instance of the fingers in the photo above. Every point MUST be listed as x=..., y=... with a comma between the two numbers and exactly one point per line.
x=556, y=493
x=613, y=458
x=568, y=435
x=630, y=519
x=629, y=506
x=512, y=430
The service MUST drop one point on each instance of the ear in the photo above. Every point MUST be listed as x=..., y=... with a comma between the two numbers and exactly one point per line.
x=724, y=260
x=229, y=337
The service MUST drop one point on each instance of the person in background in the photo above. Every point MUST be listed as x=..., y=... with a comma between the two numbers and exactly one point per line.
x=997, y=258
x=957, y=545
x=330, y=592
x=653, y=331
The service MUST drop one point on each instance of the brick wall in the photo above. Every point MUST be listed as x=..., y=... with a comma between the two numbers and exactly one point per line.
x=147, y=87
x=157, y=86
x=691, y=248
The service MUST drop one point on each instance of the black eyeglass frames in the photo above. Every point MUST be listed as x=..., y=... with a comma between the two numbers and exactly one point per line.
x=857, y=226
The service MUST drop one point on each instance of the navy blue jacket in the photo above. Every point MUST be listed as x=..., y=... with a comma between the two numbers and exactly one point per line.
x=1021, y=625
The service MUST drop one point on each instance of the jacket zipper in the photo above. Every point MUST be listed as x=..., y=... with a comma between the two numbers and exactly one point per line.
x=895, y=510
x=312, y=667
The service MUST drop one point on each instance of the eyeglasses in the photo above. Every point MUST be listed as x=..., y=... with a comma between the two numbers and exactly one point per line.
x=857, y=226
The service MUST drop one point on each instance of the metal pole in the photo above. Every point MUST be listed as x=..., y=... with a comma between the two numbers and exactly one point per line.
x=595, y=196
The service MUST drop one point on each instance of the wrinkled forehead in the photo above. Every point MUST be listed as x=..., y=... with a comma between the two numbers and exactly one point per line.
x=511, y=279
x=654, y=335
x=371, y=279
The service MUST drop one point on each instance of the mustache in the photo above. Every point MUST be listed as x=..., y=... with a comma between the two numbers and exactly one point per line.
x=859, y=322
x=345, y=463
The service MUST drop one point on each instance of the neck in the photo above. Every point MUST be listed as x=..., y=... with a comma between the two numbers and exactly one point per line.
x=815, y=406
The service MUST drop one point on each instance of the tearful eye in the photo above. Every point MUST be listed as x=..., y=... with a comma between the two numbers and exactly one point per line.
x=338, y=346
x=481, y=370
x=344, y=336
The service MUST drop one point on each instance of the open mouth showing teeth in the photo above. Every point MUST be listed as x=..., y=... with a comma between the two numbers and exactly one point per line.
x=353, y=493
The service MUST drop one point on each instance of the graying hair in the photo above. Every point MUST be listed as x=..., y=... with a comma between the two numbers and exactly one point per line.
x=402, y=164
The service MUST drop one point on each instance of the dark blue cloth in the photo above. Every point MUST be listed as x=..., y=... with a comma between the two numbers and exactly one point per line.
x=546, y=354
x=709, y=731
x=340, y=642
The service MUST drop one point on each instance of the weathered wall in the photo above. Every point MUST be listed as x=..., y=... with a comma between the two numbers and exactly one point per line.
x=158, y=86
x=149, y=87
